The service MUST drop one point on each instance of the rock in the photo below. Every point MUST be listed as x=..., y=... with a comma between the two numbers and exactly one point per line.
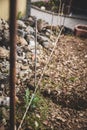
x=85, y=56
x=36, y=124
x=3, y=25
x=30, y=30
x=28, y=37
x=0, y=24
x=26, y=48
x=4, y=101
x=19, y=59
x=24, y=67
x=67, y=30
x=6, y=26
x=0, y=21
x=0, y=35
x=25, y=62
x=42, y=39
x=21, y=41
x=49, y=31
x=2, y=127
x=53, y=28
x=43, y=8
x=21, y=24
x=4, y=53
x=30, y=21
x=48, y=34
x=21, y=33
x=3, y=22
x=39, y=25
x=32, y=44
x=6, y=35
x=46, y=45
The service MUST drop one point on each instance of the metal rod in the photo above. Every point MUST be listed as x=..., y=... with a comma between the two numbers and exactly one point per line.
x=35, y=52
x=13, y=8
x=28, y=9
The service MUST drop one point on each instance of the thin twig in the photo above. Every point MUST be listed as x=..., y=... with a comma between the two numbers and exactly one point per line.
x=58, y=18
x=50, y=56
x=63, y=14
x=52, y=22
x=35, y=53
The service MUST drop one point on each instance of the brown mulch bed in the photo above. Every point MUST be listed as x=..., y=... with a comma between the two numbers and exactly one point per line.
x=66, y=86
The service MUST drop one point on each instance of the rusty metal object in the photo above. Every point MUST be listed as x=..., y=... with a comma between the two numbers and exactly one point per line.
x=13, y=8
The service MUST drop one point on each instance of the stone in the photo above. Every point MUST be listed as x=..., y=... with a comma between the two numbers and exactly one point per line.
x=46, y=45
x=6, y=26
x=4, y=101
x=3, y=21
x=21, y=41
x=21, y=24
x=26, y=48
x=24, y=67
x=42, y=39
x=85, y=56
x=30, y=30
x=53, y=28
x=39, y=25
x=32, y=44
x=28, y=37
x=6, y=35
x=1, y=25
x=43, y=8
x=21, y=33
x=0, y=21
x=4, y=53
x=30, y=21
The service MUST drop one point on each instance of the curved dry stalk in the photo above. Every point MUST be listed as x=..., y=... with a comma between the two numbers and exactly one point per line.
x=59, y=12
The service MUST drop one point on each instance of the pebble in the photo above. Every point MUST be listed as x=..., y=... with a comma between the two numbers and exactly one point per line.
x=42, y=8
x=4, y=53
x=85, y=56
x=21, y=24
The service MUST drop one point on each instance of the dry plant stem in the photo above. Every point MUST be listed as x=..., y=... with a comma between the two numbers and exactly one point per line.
x=52, y=23
x=50, y=57
x=59, y=11
x=33, y=95
x=63, y=20
x=35, y=53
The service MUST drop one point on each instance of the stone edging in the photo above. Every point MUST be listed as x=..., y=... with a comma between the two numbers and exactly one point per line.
x=52, y=13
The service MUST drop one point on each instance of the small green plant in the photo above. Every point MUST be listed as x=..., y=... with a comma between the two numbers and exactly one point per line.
x=35, y=102
x=27, y=98
x=19, y=15
x=72, y=79
x=37, y=113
